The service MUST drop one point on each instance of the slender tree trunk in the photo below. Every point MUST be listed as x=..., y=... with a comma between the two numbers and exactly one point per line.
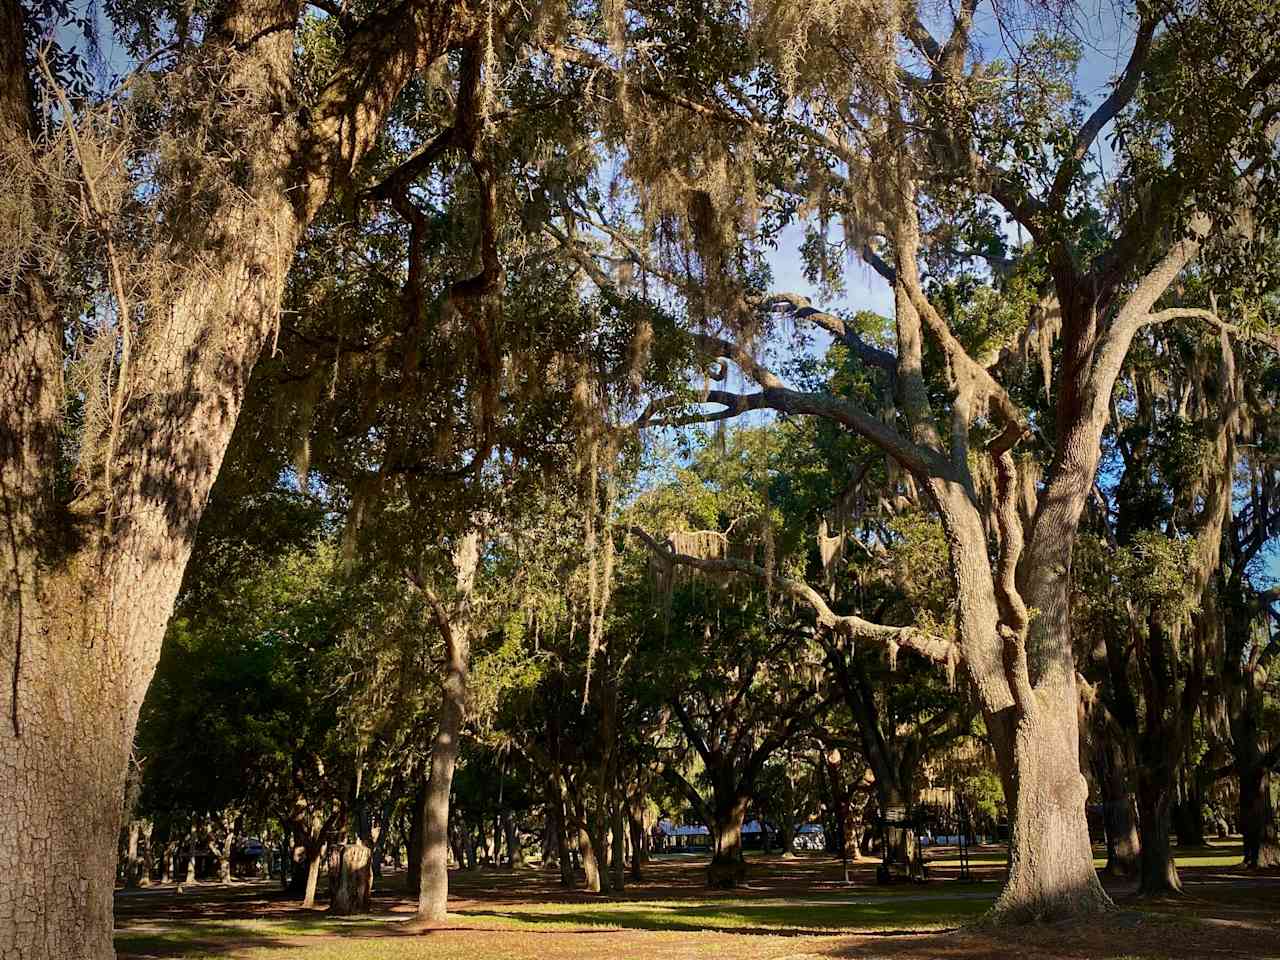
x=635, y=824
x=590, y=865
x=314, y=852
x=147, y=865
x=618, y=857
x=472, y=845
x=413, y=871
x=167, y=864
x=515, y=851
x=133, y=863
x=458, y=845
x=224, y=858
x=297, y=868
x=555, y=802
x=852, y=827
x=433, y=896
x=788, y=815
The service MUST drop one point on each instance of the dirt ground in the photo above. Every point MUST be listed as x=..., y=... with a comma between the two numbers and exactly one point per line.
x=525, y=914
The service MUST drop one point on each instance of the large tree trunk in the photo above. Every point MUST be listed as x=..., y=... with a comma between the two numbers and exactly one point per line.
x=1051, y=872
x=1114, y=768
x=1033, y=716
x=433, y=895
x=1258, y=821
x=1158, y=876
x=727, y=868
x=89, y=587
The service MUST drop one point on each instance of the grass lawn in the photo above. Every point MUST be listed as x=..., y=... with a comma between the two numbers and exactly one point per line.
x=791, y=910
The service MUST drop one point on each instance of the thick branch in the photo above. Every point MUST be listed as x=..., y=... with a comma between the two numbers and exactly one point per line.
x=776, y=396
x=799, y=308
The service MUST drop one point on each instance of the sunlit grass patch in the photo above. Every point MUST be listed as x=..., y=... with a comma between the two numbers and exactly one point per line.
x=862, y=913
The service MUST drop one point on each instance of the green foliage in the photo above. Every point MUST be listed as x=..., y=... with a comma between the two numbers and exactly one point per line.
x=247, y=680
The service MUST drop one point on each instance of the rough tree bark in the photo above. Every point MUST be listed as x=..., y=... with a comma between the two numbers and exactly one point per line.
x=559, y=808
x=1119, y=810
x=454, y=621
x=593, y=880
x=511, y=833
x=1258, y=821
x=90, y=585
x=350, y=878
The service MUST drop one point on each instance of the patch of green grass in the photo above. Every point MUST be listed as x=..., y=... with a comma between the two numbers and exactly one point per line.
x=867, y=913
x=152, y=937
x=825, y=912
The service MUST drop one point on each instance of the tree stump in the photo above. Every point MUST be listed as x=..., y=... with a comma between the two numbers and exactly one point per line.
x=350, y=878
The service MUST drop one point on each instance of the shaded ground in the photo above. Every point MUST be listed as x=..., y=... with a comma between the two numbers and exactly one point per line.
x=792, y=909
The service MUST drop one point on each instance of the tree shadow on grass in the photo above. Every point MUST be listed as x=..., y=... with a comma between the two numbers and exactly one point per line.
x=779, y=920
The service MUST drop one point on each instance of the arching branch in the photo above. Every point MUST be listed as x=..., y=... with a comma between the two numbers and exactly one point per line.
x=937, y=649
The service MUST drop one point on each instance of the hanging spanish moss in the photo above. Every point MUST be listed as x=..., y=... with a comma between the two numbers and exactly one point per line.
x=831, y=553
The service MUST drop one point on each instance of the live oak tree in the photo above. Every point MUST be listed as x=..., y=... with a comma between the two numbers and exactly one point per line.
x=1177, y=422
x=739, y=696
x=191, y=225
x=1244, y=709
x=898, y=128
x=867, y=556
